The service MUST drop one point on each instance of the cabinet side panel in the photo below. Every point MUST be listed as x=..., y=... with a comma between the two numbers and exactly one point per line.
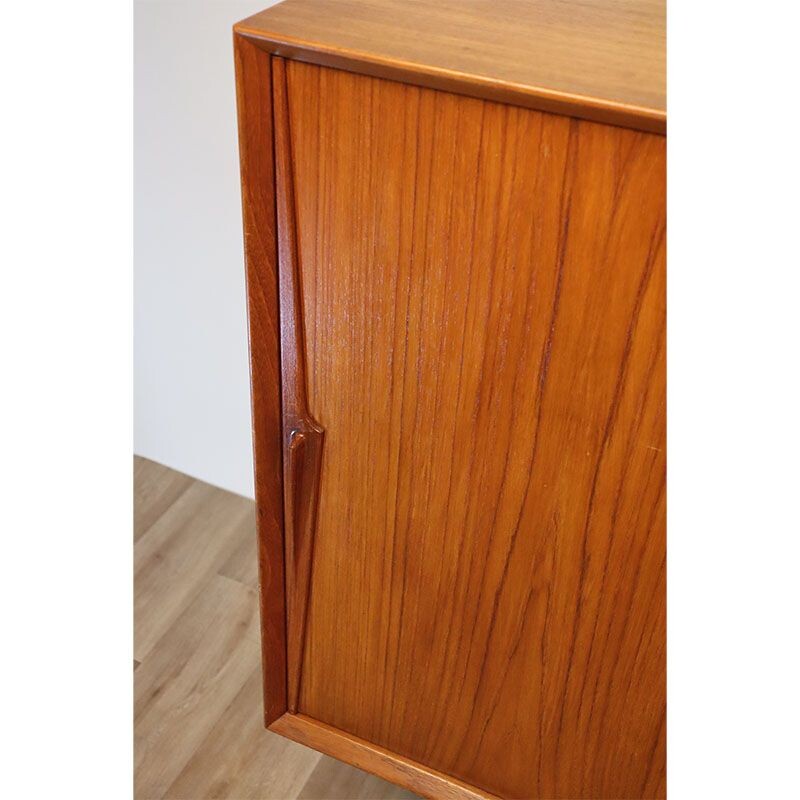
x=254, y=102
x=484, y=304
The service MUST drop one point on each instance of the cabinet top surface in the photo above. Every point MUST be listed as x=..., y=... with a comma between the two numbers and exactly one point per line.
x=601, y=59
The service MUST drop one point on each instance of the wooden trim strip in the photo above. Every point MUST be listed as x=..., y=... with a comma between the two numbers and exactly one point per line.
x=385, y=764
x=651, y=120
x=302, y=435
x=254, y=106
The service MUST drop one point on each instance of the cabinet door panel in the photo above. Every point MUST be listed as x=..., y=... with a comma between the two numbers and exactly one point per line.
x=482, y=293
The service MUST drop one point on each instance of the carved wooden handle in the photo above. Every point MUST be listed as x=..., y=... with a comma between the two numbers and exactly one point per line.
x=302, y=436
x=302, y=475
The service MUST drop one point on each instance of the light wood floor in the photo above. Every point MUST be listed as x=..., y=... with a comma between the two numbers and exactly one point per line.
x=198, y=730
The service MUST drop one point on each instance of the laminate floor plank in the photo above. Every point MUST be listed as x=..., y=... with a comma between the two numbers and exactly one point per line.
x=193, y=675
x=156, y=488
x=179, y=552
x=242, y=564
x=240, y=759
x=198, y=727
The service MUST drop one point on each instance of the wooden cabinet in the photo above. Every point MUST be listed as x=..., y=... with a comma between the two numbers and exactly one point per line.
x=454, y=222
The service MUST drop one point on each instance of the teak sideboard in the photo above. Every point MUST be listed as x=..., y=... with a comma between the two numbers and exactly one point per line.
x=454, y=220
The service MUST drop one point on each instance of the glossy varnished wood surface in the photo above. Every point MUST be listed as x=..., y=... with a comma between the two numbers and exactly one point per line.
x=598, y=59
x=483, y=294
x=302, y=436
x=254, y=108
x=419, y=778
x=198, y=724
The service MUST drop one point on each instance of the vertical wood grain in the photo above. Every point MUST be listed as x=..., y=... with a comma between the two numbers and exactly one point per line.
x=483, y=299
x=302, y=436
x=254, y=105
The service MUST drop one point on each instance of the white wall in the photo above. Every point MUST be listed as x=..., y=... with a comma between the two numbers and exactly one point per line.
x=191, y=377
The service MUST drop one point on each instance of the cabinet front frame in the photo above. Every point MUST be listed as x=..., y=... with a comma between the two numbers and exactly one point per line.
x=268, y=247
